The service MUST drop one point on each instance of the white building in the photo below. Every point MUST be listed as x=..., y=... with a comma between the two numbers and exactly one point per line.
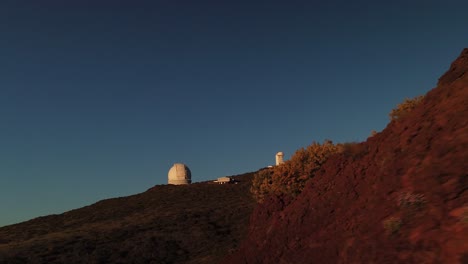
x=179, y=174
x=279, y=158
x=224, y=180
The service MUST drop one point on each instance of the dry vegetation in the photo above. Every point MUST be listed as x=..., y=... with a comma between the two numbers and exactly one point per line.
x=289, y=178
x=405, y=107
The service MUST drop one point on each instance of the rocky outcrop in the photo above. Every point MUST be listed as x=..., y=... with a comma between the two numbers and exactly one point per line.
x=399, y=197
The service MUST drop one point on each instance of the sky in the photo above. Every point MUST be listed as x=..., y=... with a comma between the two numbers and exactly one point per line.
x=98, y=99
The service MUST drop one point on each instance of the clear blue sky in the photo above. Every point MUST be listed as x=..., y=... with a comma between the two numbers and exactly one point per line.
x=99, y=98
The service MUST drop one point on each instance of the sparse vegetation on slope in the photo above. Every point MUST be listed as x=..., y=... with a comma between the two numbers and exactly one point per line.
x=405, y=107
x=197, y=223
x=290, y=177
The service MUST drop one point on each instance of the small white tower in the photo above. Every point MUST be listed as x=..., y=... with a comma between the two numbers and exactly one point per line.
x=179, y=174
x=279, y=158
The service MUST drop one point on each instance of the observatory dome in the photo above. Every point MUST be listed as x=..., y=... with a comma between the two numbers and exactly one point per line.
x=179, y=174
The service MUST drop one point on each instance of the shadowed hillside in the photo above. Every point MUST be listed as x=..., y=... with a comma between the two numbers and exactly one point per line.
x=197, y=223
x=399, y=197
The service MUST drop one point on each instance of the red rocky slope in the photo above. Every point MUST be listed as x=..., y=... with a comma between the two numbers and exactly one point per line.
x=399, y=197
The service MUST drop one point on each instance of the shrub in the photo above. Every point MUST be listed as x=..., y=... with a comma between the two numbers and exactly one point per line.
x=290, y=177
x=411, y=200
x=353, y=149
x=405, y=107
x=464, y=215
x=261, y=184
x=392, y=225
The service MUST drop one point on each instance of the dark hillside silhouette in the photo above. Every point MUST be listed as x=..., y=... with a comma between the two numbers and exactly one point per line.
x=197, y=223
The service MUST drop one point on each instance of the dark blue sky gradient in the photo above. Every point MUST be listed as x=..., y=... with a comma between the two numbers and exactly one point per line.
x=99, y=98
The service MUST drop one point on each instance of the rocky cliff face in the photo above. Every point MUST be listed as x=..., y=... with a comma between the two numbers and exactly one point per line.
x=399, y=197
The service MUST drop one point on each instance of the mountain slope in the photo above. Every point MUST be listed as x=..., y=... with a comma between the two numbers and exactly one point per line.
x=197, y=223
x=399, y=197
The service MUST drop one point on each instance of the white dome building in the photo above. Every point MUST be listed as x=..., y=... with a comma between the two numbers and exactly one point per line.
x=179, y=174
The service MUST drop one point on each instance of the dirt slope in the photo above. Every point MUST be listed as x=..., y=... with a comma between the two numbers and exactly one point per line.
x=197, y=223
x=399, y=197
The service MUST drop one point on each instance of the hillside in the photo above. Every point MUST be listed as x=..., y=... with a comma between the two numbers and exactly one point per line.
x=399, y=197
x=197, y=223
